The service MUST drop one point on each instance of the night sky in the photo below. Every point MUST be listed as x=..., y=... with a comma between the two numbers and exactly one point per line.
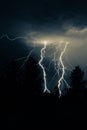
x=49, y=17
x=42, y=13
x=40, y=20
x=32, y=23
x=22, y=16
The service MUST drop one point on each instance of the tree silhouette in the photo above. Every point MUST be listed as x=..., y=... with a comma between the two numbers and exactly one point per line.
x=32, y=79
x=77, y=81
x=8, y=79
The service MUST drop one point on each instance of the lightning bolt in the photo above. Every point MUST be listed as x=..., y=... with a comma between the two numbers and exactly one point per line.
x=27, y=57
x=42, y=55
x=58, y=62
x=60, y=81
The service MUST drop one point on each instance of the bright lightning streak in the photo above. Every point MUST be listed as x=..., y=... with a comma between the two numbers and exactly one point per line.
x=42, y=67
x=63, y=69
x=58, y=62
x=27, y=58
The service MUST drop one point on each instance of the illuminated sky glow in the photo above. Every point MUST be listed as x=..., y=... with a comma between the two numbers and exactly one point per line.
x=36, y=21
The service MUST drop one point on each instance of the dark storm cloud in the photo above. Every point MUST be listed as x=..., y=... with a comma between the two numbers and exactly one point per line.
x=42, y=12
x=41, y=17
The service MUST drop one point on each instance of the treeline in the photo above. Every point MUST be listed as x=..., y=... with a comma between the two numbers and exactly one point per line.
x=27, y=79
x=23, y=102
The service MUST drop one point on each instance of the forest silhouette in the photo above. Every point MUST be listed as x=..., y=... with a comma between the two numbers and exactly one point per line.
x=23, y=101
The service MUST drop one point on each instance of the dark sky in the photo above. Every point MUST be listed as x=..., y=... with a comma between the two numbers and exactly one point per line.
x=43, y=18
x=41, y=12
x=19, y=17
